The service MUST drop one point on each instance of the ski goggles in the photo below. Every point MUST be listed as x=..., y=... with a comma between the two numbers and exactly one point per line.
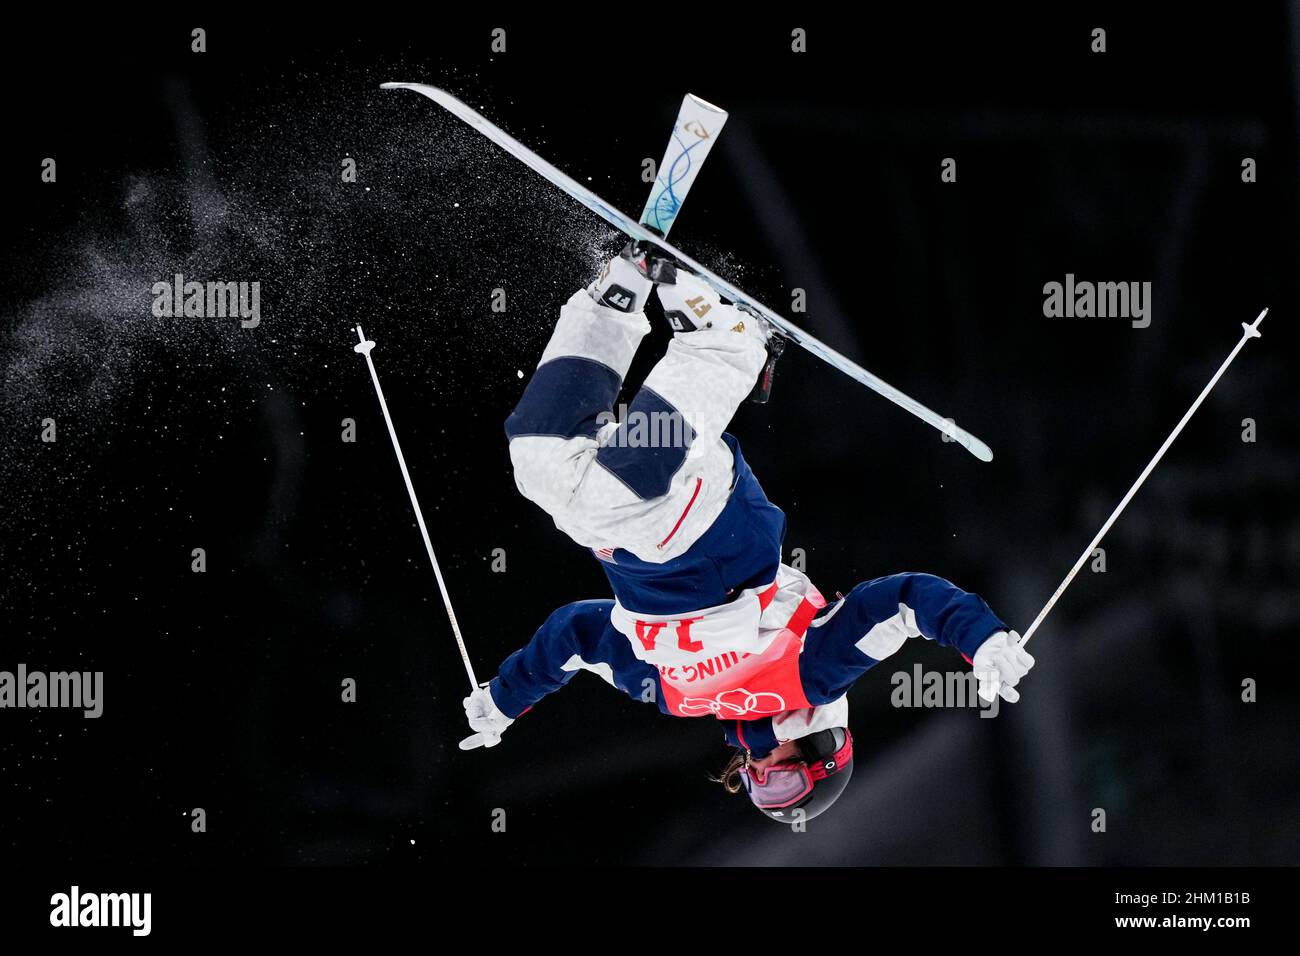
x=786, y=784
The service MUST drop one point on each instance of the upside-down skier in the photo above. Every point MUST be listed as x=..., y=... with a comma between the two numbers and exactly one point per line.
x=705, y=613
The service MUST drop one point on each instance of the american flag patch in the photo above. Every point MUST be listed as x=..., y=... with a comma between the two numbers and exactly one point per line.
x=605, y=554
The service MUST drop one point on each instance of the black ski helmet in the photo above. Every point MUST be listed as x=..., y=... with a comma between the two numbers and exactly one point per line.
x=823, y=774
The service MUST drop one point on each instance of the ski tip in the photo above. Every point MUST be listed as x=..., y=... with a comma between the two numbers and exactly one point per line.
x=391, y=86
x=952, y=433
x=968, y=441
x=705, y=104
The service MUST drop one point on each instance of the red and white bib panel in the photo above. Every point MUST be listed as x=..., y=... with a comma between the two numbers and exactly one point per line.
x=736, y=661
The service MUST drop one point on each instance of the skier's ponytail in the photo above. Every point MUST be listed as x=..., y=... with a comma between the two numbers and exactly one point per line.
x=730, y=775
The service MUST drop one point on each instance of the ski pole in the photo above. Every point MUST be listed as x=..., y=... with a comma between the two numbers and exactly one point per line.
x=364, y=348
x=1248, y=332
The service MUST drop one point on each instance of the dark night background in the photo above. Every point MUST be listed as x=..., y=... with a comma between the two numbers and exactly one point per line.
x=222, y=690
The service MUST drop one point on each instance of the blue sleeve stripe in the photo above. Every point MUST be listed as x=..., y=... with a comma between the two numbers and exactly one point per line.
x=565, y=398
x=649, y=448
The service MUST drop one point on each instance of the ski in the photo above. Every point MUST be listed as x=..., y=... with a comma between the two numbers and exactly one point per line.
x=694, y=133
x=637, y=230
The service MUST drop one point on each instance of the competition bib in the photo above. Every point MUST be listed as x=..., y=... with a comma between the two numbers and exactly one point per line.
x=737, y=661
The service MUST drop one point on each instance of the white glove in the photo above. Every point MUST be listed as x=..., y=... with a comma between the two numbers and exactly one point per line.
x=999, y=664
x=485, y=718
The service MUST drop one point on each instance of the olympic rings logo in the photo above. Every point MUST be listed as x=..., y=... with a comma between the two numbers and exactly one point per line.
x=749, y=703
